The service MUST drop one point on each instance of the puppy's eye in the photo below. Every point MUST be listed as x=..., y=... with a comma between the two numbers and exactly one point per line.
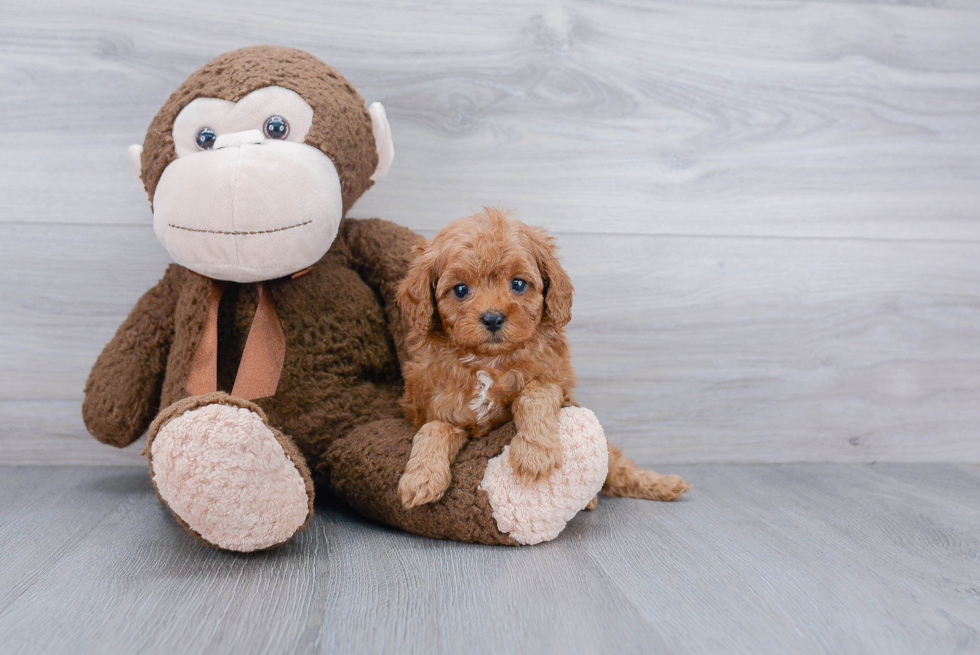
x=276, y=127
x=517, y=285
x=461, y=291
x=205, y=138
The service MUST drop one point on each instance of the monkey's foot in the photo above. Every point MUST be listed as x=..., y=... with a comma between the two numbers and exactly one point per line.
x=538, y=511
x=227, y=476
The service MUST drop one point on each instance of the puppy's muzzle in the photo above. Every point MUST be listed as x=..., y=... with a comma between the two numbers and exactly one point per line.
x=493, y=321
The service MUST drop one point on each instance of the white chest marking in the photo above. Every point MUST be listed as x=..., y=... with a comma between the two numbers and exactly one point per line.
x=481, y=403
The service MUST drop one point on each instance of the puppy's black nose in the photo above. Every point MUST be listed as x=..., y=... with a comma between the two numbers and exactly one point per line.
x=493, y=321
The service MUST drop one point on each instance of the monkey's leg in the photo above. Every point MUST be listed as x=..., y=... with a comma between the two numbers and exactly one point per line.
x=226, y=475
x=486, y=502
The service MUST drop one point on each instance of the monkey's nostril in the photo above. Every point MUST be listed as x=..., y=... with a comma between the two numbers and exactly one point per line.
x=493, y=321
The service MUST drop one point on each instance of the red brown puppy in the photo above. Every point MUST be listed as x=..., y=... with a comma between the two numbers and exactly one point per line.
x=487, y=302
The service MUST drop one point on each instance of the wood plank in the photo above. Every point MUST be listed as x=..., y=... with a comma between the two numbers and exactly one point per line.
x=835, y=559
x=46, y=511
x=671, y=117
x=761, y=558
x=758, y=350
x=139, y=583
x=688, y=349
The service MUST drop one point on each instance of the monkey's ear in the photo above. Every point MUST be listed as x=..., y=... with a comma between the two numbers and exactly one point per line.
x=136, y=159
x=382, y=140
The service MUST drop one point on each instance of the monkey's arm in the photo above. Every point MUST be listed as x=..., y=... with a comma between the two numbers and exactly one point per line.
x=380, y=252
x=122, y=393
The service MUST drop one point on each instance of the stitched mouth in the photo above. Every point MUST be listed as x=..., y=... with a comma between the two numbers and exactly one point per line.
x=237, y=232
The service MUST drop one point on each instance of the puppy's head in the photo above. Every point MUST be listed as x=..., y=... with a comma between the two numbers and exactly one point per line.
x=487, y=282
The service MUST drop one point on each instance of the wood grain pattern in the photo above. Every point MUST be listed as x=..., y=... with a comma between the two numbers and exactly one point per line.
x=781, y=118
x=45, y=512
x=762, y=559
x=769, y=209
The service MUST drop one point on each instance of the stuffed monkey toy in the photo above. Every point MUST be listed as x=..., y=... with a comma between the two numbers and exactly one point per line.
x=266, y=362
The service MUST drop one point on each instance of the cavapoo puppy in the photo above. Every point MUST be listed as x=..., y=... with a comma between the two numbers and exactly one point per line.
x=487, y=302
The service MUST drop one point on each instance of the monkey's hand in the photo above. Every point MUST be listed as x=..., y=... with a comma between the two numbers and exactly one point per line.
x=122, y=393
x=380, y=252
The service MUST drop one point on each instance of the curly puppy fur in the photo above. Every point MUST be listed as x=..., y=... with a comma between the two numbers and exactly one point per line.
x=487, y=302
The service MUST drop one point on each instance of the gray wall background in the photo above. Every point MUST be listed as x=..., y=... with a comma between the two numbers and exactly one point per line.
x=769, y=209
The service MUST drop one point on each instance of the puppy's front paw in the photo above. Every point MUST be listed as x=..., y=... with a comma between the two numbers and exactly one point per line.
x=423, y=483
x=532, y=462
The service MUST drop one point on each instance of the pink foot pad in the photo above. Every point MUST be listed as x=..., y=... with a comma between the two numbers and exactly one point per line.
x=222, y=471
x=538, y=512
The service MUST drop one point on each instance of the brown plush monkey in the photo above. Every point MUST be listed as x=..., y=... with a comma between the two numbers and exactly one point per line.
x=268, y=356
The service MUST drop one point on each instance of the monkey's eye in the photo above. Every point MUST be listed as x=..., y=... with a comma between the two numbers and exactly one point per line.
x=461, y=291
x=205, y=138
x=517, y=285
x=276, y=127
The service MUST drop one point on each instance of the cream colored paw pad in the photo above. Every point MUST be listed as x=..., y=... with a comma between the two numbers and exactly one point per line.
x=539, y=511
x=222, y=471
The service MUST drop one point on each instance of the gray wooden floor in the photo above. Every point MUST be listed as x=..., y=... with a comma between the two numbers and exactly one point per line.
x=808, y=558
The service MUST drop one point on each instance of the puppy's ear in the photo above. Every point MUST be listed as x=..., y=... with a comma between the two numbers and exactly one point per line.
x=557, y=285
x=416, y=293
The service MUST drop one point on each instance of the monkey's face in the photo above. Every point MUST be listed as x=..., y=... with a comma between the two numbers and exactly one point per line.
x=246, y=199
x=254, y=188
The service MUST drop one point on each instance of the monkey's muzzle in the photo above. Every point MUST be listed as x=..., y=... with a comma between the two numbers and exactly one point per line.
x=249, y=209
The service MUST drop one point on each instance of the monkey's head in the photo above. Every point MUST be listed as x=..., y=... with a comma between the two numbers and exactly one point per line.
x=253, y=161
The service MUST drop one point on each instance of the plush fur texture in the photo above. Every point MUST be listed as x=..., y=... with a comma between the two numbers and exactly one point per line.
x=364, y=469
x=220, y=468
x=341, y=124
x=342, y=327
x=537, y=512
